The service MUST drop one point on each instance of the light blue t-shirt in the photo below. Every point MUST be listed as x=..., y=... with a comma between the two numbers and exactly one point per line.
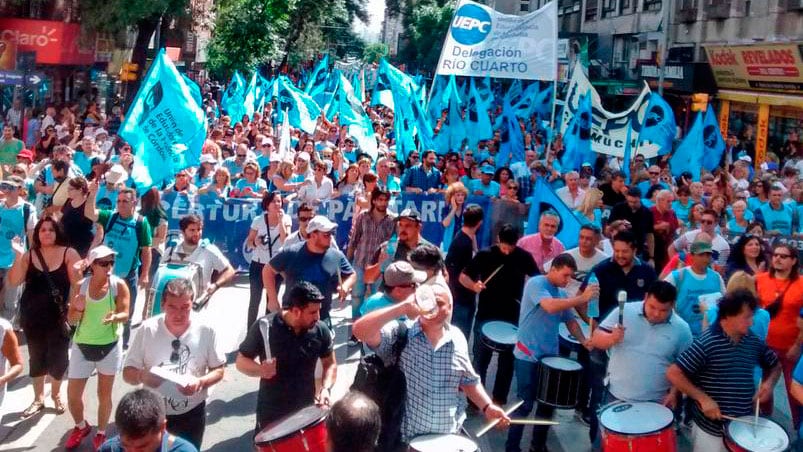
x=538, y=329
x=781, y=220
x=12, y=223
x=376, y=301
x=106, y=199
x=491, y=189
x=83, y=162
x=690, y=286
x=681, y=211
x=256, y=187
x=645, y=186
x=597, y=218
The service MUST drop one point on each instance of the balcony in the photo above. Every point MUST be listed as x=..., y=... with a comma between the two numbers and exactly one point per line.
x=687, y=15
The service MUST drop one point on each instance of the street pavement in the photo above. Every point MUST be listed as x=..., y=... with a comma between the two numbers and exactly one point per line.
x=231, y=404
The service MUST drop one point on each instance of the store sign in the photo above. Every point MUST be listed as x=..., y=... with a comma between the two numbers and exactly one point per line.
x=777, y=67
x=8, y=54
x=54, y=42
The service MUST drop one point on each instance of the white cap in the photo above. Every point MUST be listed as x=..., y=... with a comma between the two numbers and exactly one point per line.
x=116, y=175
x=746, y=158
x=101, y=131
x=208, y=158
x=303, y=156
x=267, y=141
x=320, y=223
x=99, y=252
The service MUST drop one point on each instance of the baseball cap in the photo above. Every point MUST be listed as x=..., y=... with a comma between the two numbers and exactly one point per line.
x=746, y=158
x=266, y=141
x=101, y=131
x=303, y=156
x=12, y=182
x=701, y=247
x=401, y=273
x=487, y=169
x=410, y=214
x=207, y=158
x=25, y=154
x=99, y=252
x=588, y=164
x=320, y=223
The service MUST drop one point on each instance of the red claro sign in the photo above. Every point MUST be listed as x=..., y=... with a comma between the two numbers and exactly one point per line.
x=54, y=42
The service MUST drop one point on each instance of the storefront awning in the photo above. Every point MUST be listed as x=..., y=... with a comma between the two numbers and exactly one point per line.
x=757, y=98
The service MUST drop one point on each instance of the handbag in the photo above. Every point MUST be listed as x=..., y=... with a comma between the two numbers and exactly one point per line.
x=67, y=330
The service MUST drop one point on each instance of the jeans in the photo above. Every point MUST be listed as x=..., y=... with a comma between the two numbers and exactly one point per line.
x=504, y=370
x=360, y=292
x=463, y=318
x=597, y=368
x=190, y=425
x=131, y=282
x=527, y=387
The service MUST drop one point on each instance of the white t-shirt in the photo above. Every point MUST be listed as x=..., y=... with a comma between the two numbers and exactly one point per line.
x=206, y=255
x=721, y=247
x=198, y=352
x=267, y=245
x=314, y=194
x=584, y=265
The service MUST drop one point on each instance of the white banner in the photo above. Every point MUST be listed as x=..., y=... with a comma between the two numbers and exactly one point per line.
x=608, y=130
x=484, y=42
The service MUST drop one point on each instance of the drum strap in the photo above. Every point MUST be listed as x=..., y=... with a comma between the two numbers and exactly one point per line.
x=264, y=328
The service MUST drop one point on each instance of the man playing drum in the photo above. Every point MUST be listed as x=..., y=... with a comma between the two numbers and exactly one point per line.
x=436, y=356
x=193, y=248
x=296, y=338
x=717, y=370
x=544, y=305
x=643, y=348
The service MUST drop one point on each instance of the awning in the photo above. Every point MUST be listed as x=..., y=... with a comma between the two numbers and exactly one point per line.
x=756, y=97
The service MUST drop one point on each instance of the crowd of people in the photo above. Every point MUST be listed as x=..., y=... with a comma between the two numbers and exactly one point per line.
x=711, y=279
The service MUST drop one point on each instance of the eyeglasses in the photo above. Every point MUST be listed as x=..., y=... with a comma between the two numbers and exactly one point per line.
x=8, y=187
x=512, y=187
x=783, y=255
x=105, y=264
x=176, y=344
x=654, y=174
x=469, y=154
x=304, y=219
x=706, y=221
x=241, y=156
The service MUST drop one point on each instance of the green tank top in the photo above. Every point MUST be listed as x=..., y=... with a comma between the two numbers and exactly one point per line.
x=92, y=331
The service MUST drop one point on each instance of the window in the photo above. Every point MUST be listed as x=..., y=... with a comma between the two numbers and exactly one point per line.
x=608, y=8
x=524, y=6
x=624, y=7
x=591, y=10
x=688, y=4
x=653, y=5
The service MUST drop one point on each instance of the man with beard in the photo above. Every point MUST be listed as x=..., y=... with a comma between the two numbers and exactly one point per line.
x=408, y=232
x=289, y=344
x=192, y=248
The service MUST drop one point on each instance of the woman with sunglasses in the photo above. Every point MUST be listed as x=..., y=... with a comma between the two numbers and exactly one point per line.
x=251, y=185
x=44, y=146
x=780, y=291
x=98, y=306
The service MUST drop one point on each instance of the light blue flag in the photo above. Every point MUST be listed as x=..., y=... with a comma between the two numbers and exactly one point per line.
x=357, y=84
x=195, y=90
x=302, y=111
x=323, y=97
x=689, y=154
x=453, y=127
x=436, y=104
x=543, y=103
x=627, y=155
x=659, y=126
x=350, y=112
x=477, y=118
x=164, y=125
x=527, y=100
x=233, y=99
x=317, y=79
x=251, y=97
x=713, y=142
x=383, y=89
x=484, y=88
x=511, y=147
x=577, y=138
x=543, y=200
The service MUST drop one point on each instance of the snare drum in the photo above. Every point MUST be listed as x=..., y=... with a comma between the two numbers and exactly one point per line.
x=302, y=431
x=443, y=443
x=559, y=381
x=499, y=336
x=637, y=427
x=768, y=436
x=567, y=341
x=166, y=272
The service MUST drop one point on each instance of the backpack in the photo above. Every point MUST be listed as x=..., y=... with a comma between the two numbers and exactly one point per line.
x=386, y=385
x=137, y=231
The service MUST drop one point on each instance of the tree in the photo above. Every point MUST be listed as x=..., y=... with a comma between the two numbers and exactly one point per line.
x=425, y=27
x=247, y=33
x=374, y=52
x=309, y=14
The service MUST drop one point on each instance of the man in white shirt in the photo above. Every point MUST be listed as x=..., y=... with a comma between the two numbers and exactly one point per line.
x=571, y=194
x=183, y=350
x=192, y=248
x=586, y=255
x=720, y=247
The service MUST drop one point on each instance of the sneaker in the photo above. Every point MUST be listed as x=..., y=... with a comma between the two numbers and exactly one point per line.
x=98, y=440
x=353, y=342
x=76, y=436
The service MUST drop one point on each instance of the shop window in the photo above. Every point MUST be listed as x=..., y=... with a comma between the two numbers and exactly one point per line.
x=785, y=131
x=742, y=121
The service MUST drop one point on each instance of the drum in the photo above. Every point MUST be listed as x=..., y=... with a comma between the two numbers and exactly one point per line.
x=637, y=427
x=302, y=431
x=443, y=443
x=164, y=274
x=499, y=336
x=559, y=381
x=766, y=436
x=567, y=341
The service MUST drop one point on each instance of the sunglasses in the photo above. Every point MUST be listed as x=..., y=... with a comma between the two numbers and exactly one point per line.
x=105, y=264
x=654, y=174
x=304, y=219
x=241, y=156
x=512, y=187
x=8, y=187
x=783, y=255
x=706, y=222
x=176, y=344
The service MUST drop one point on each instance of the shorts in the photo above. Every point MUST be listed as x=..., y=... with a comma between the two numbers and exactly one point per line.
x=81, y=368
x=48, y=354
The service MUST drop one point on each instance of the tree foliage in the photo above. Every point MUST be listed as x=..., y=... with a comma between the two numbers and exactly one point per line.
x=247, y=33
x=425, y=25
x=374, y=52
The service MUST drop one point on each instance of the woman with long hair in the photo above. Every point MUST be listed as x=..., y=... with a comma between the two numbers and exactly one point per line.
x=588, y=212
x=266, y=237
x=151, y=208
x=220, y=185
x=48, y=270
x=456, y=195
x=747, y=255
x=78, y=228
x=282, y=179
x=502, y=176
x=780, y=290
x=719, y=204
x=98, y=306
x=349, y=184
x=761, y=192
x=251, y=185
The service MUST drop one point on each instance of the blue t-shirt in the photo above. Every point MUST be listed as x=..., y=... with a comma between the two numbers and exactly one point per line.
x=538, y=329
x=256, y=187
x=681, y=211
x=376, y=301
x=124, y=238
x=781, y=220
x=12, y=223
x=179, y=445
x=491, y=189
x=83, y=162
x=597, y=218
x=106, y=199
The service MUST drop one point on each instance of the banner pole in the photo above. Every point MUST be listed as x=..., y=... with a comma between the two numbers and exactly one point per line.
x=552, y=118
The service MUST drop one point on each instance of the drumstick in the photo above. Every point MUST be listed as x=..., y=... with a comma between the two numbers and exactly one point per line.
x=493, y=274
x=534, y=422
x=744, y=421
x=491, y=424
x=755, y=419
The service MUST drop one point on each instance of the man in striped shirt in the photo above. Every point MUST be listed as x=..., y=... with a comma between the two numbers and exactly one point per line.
x=717, y=370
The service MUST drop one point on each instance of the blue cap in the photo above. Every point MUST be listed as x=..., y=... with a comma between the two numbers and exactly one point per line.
x=487, y=169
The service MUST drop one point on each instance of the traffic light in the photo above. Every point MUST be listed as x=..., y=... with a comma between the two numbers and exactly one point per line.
x=699, y=102
x=128, y=73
